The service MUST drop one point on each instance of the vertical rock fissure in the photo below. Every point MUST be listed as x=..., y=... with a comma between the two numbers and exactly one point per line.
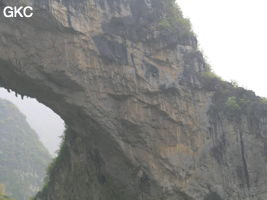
x=244, y=161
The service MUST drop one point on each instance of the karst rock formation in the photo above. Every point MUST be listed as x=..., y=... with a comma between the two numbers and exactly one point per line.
x=146, y=118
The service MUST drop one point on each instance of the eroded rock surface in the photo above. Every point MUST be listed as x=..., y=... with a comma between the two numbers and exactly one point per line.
x=146, y=120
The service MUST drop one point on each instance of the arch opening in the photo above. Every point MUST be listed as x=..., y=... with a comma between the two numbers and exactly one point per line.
x=47, y=124
x=30, y=136
x=55, y=71
x=90, y=149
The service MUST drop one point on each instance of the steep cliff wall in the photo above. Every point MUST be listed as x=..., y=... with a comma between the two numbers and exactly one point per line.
x=146, y=119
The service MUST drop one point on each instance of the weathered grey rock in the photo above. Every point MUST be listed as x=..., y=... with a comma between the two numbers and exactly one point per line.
x=144, y=120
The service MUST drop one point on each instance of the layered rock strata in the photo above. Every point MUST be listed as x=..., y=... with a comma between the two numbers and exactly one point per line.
x=146, y=118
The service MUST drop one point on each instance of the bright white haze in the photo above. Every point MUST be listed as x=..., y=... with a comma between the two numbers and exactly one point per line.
x=48, y=125
x=233, y=36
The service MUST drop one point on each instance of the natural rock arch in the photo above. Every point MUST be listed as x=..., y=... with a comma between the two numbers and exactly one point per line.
x=46, y=58
x=133, y=99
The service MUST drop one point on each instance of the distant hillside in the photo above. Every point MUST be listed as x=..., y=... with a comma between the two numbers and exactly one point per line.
x=23, y=158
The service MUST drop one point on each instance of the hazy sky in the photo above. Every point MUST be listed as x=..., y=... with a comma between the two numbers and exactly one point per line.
x=233, y=36
x=42, y=119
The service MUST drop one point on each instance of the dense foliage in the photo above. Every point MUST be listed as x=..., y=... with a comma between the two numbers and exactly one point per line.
x=23, y=159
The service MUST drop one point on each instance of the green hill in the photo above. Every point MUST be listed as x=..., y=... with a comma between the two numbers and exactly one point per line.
x=23, y=159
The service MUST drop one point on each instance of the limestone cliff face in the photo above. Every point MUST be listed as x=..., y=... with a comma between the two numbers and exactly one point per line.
x=146, y=120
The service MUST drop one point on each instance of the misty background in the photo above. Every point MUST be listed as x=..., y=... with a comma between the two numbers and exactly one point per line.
x=47, y=124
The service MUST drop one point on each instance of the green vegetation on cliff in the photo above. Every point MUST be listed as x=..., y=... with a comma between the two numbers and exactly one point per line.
x=23, y=159
x=174, y=22
x=230, y=99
